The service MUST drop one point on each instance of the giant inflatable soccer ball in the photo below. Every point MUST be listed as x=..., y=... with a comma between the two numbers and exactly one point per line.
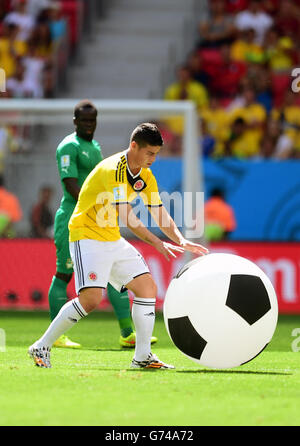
x=221, y=310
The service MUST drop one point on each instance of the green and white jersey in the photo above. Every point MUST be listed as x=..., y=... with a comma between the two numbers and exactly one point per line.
x=76, y=158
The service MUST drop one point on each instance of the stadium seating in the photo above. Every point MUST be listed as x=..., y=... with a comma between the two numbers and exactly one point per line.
x=262, y=66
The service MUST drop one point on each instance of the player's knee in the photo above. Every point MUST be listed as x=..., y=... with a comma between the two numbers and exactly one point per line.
x=143, y=286
x=90, y=298
x=152, y=288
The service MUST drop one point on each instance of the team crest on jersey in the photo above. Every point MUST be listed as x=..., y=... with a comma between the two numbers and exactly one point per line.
x=138, y=185
x=92, y=276
x=65, y=161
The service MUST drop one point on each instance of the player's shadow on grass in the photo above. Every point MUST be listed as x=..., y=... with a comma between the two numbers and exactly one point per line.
x=237, y=372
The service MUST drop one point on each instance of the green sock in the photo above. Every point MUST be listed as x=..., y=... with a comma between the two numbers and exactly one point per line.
x=57, y=296
x=121, y=306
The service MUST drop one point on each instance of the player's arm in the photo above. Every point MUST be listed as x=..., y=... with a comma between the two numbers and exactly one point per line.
x=129, y=218
x=169, y=228
x=66, y=157
x=72, y=187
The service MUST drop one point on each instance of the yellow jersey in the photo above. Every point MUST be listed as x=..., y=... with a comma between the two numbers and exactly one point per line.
x=110, y=182
x=253, y=136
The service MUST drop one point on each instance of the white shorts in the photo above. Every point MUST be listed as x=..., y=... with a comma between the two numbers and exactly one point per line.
x=97, y=263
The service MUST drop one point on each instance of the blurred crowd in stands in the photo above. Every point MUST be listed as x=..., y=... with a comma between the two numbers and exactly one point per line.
x=240, y=78
x=31, y=32
x=38, y=38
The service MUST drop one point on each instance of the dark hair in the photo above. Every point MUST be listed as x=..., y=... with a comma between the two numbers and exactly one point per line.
x=1, y=180
x=84, y=105
x=147, y=134
x=239, y=121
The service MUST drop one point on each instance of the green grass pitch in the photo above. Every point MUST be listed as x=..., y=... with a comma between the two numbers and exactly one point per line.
x=95, y=386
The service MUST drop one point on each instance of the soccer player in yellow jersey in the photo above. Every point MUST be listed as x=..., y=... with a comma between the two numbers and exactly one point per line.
x=101, y=255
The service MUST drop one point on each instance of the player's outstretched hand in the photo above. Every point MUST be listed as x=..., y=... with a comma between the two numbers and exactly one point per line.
x=168, y=249
x=195, y=248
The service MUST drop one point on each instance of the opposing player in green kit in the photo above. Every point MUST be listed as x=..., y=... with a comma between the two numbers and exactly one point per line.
x=76, y=157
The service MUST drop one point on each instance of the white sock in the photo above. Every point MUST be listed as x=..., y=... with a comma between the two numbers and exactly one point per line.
x=68, y=315
x=143, y=316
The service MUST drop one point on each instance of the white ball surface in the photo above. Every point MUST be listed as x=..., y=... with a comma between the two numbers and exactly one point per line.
x=221, y=310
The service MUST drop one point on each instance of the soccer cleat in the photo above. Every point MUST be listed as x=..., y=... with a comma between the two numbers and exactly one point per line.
x=40, y=356
x=152, y=362
x=129, y=342
x=64, y=342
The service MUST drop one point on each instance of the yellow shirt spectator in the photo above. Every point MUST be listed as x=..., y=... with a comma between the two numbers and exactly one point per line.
x=291, y=122
x=8, y=53
x=279, y=51
x=185, y=89
x=242, y=51
x=192, y=91
x=254, y=116
x=218, y=125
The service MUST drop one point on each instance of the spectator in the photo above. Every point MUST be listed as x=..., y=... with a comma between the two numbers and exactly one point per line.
x=41, y=36
x=216, y=121
x=275, y=144
x=240, y=143
x=196, y=67
x=239, y=100
x=227, y=75
x=34, y=67
x=245, y=49
x=185, y=88
x=279, y=51
x=254, y=116
x=262, y=83
x=41, y=215
x=10, y=211
x=218, y=28
x=219, y=217
x=18, y=86
x=22, y=19
x=255, y=18
x=289, y=117
x=10, y=49
x=57, y=23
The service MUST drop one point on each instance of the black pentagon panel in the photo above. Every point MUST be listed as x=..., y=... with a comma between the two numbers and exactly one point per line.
x=185, y=337
x=248, y=297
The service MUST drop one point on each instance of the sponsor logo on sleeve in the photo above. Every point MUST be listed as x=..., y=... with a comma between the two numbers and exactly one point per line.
x=119, y=193
x=65, y=161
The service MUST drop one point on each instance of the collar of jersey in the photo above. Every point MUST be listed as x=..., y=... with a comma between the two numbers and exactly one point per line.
x=131, y=174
